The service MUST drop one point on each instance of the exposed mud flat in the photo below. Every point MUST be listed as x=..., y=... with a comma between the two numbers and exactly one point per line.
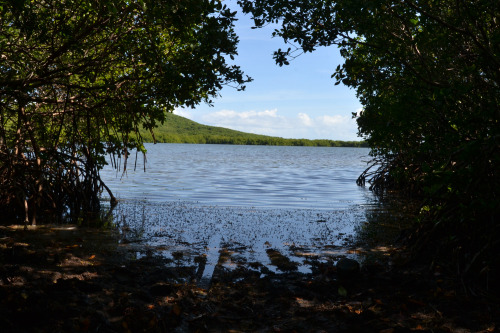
x=186, y=231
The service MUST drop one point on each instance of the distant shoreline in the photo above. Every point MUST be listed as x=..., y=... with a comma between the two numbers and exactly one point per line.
x=333, y=144
x=177, y=129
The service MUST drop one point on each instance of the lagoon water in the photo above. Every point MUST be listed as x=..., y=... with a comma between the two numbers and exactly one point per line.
x=244, y=176
x=197, y=200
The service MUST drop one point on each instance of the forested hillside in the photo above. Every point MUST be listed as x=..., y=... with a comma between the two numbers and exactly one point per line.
x=177, y=129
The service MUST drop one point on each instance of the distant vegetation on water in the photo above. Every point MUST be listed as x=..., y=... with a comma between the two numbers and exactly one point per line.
x=177, y=129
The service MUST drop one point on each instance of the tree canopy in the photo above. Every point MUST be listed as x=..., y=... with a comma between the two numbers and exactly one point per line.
x=79, y=78
x=428, y=76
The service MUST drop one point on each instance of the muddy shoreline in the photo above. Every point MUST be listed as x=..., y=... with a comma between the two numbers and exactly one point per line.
x=84, y=280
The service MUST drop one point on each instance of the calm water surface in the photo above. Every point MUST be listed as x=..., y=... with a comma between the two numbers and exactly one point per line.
x=244, y=176
x=201, y=199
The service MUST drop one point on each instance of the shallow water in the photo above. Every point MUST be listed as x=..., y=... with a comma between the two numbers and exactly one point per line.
x=202, y=200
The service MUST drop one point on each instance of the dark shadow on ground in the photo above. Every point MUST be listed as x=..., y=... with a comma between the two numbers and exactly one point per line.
x=84, y=280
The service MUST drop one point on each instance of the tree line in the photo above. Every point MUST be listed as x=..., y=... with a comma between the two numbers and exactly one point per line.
x=266, y=141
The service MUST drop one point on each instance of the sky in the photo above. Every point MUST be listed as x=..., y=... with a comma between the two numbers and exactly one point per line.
x=295, y=101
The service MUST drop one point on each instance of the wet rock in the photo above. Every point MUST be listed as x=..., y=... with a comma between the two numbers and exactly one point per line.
x=283, y=263
x=347, y=268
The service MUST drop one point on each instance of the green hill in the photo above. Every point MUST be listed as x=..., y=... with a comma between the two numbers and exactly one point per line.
x=177, y=129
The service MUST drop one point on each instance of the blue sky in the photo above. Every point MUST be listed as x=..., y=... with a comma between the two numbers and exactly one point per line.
x=295, y=101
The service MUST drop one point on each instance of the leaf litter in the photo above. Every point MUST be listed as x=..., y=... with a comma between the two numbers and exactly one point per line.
x=106, y=285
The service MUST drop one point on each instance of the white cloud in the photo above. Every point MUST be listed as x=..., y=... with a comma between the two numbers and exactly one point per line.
x=336, y=127
x=233, y=119
x=306, y=120
x=332, y=120
x=270, y=122
x=183, y=113
x=246, y=115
